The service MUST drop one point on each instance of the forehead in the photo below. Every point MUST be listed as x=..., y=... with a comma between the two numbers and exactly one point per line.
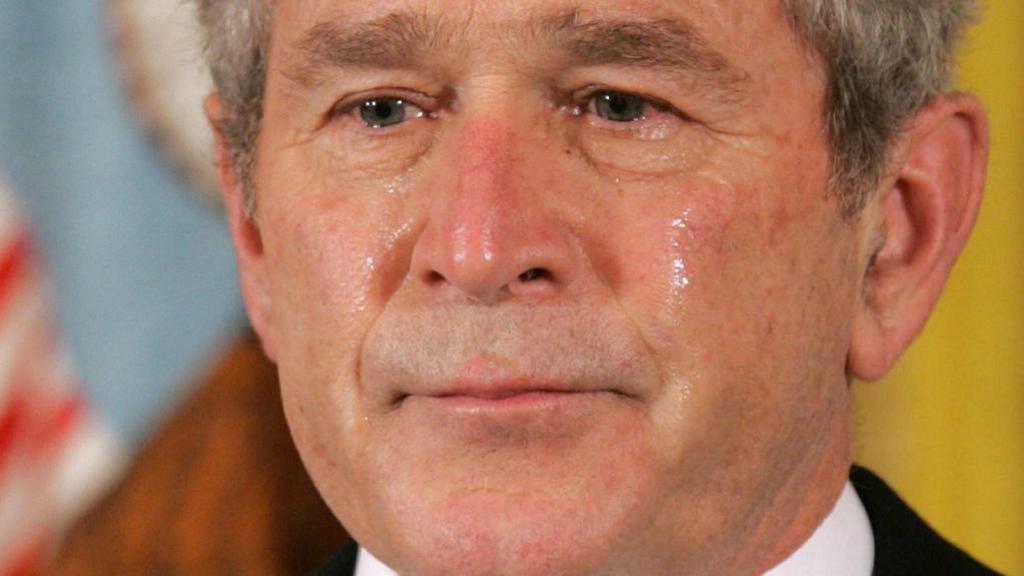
x=714, y=42
x=749, y=32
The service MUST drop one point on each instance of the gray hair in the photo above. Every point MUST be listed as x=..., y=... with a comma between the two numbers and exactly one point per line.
x=884, y=61
x=237, y=34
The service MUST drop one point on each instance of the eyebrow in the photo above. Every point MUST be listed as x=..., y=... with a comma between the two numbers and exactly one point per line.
x=396, y=41
x=666, y=44
x=407, y=40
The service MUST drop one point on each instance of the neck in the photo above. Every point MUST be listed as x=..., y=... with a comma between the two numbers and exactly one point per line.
x=805, y=499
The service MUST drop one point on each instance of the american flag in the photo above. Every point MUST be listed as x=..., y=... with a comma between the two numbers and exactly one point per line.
x=55, y=455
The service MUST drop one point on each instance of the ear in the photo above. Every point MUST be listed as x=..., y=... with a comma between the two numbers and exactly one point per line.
x=921, y=223
x=245, y=232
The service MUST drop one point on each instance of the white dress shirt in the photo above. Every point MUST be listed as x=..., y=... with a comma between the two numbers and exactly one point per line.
x=842, y=546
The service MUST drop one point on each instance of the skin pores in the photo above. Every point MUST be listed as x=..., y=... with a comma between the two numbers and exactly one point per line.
x=543, y=303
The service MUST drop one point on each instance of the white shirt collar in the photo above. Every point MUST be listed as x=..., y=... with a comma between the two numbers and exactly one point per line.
x=368, y=565
x=843, y=545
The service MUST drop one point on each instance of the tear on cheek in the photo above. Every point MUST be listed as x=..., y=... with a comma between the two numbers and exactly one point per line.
x=696, y=240
x=708, y=219
x=678, y=237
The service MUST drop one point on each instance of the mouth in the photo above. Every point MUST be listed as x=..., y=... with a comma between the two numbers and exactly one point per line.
x=508, y=396
x=508, y=401
x=490, y=385
x=501, y=391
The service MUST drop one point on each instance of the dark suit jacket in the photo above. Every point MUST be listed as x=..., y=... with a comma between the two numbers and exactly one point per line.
x=904, y=544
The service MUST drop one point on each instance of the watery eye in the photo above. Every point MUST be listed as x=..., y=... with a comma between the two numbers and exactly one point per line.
x=384, y=112
x=619, y=107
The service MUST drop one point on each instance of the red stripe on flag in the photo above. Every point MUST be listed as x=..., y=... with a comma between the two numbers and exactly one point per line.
x=61, y=423
x=29, y=560
x=12, y=417
x=13, y=262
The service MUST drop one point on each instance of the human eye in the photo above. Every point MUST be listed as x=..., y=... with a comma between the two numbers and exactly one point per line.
x=380, y=112
x=385, y=112
x=623, y=114
x=386, y=129
x=624, y=110
x=631, y=132
x=617, y=106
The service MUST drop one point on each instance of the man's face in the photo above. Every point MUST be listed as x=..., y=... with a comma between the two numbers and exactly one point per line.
x=554, y=287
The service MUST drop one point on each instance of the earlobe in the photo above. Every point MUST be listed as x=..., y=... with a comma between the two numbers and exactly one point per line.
x=245, y=232
x=924, y=220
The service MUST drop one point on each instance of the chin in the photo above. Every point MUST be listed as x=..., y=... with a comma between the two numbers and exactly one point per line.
x=473, y=498
x=505, y=536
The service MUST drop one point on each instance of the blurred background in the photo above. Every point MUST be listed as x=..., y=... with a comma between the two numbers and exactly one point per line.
x=146, y=298
x=143, y=271
x=946, y=427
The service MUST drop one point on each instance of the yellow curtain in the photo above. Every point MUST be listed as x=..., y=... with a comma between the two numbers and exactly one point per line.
x=946, y=428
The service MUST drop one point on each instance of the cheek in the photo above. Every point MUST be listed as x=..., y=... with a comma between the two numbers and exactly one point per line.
x=717, y=264
x=671, y=254
x=740, y=292
x=330, y=240
x=333, y=255
x=322, y=264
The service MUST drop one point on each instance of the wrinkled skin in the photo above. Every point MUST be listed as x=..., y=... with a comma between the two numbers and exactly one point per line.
x=690, y=282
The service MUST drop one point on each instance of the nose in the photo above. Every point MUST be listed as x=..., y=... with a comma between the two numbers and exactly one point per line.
x=491, y=233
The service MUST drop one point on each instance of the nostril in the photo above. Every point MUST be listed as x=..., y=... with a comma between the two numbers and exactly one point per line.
x=434, y=277
x=534, y=274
